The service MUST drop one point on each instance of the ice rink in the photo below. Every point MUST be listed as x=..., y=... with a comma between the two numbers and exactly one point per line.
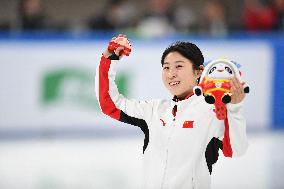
x=116, y=162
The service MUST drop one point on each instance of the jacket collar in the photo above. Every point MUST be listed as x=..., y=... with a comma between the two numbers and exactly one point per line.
x=176, y=99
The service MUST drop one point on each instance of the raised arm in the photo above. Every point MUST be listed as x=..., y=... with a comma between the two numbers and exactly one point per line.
x=111, y=102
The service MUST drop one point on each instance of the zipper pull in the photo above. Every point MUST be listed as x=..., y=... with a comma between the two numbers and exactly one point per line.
x=174, y=112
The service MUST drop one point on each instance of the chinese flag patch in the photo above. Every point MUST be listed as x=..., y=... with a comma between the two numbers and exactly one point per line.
x=188, y=124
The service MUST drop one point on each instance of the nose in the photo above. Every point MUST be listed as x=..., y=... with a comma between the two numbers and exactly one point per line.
x=172, y=73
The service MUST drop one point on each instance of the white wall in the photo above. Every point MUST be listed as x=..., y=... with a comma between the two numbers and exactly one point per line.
x=24, y=65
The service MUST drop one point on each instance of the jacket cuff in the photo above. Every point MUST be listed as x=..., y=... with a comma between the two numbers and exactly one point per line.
x=113, y=57
x=234, y=107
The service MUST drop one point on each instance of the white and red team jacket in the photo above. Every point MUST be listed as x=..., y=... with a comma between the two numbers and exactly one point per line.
x=182, y=137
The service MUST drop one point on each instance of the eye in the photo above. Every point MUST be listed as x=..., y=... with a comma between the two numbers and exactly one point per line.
x=212, y=69
x=228, y=70
x=179, y=66
x=166, y=68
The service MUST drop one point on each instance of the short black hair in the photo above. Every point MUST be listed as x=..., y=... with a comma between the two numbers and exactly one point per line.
x=186, y=49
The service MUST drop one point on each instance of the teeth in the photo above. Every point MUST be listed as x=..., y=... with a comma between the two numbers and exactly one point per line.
x=174, y=83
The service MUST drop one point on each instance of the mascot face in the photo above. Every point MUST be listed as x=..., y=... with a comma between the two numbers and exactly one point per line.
x=220, y=70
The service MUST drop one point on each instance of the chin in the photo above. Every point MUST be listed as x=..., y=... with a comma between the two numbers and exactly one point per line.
x=182, y=94
x=173, y=93
x=176, y=94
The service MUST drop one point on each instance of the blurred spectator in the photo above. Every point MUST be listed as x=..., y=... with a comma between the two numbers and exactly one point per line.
x=277, y=8
x=148, y=17
x=117, y=14
x=214, y=18
x=257, y=17
x=4, y=26
x=184, y=19
x=158, y=20
x=31, y=15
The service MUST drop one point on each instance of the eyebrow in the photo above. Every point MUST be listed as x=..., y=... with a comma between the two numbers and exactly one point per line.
x=178, y=61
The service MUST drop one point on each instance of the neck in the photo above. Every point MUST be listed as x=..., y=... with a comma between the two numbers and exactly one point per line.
x=183, y=96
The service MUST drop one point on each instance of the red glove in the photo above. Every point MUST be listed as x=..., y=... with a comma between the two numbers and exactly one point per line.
x=120, y=41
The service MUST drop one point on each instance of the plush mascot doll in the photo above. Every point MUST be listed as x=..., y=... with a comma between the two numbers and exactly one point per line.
x=215, y=84
x=120, y=41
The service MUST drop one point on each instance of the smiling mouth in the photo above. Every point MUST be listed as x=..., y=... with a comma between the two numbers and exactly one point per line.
x=174, y=83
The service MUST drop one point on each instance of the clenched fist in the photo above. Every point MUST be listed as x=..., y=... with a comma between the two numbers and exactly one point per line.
x=119, y=46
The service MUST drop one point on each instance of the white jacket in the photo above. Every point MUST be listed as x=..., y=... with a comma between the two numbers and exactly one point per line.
x=175, y=155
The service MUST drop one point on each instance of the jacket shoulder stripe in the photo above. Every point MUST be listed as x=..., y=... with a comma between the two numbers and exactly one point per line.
x=107, y=105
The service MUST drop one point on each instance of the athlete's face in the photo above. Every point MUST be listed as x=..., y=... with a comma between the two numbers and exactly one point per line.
x=178, y=74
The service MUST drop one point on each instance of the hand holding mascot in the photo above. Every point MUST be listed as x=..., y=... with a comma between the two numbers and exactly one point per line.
x=215, y=84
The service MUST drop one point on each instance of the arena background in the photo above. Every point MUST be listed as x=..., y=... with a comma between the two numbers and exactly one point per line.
x=53, y=135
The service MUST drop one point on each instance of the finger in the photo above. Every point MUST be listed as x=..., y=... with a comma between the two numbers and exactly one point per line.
x=240, y=87
x=235, y=98
x=235, y=90
x=122, y=35
x=118, y=50
x=233, y=85
x=238, y=90
x=237, y=94
x=112, y=39
x=235, y=81
x=237, y=84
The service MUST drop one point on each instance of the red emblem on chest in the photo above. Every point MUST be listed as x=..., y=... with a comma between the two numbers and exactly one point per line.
x=188, y=124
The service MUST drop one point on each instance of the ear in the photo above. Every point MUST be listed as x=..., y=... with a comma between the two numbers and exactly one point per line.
x=200, y=70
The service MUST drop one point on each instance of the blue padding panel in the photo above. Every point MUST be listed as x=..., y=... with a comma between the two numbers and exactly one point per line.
x=278, y=99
